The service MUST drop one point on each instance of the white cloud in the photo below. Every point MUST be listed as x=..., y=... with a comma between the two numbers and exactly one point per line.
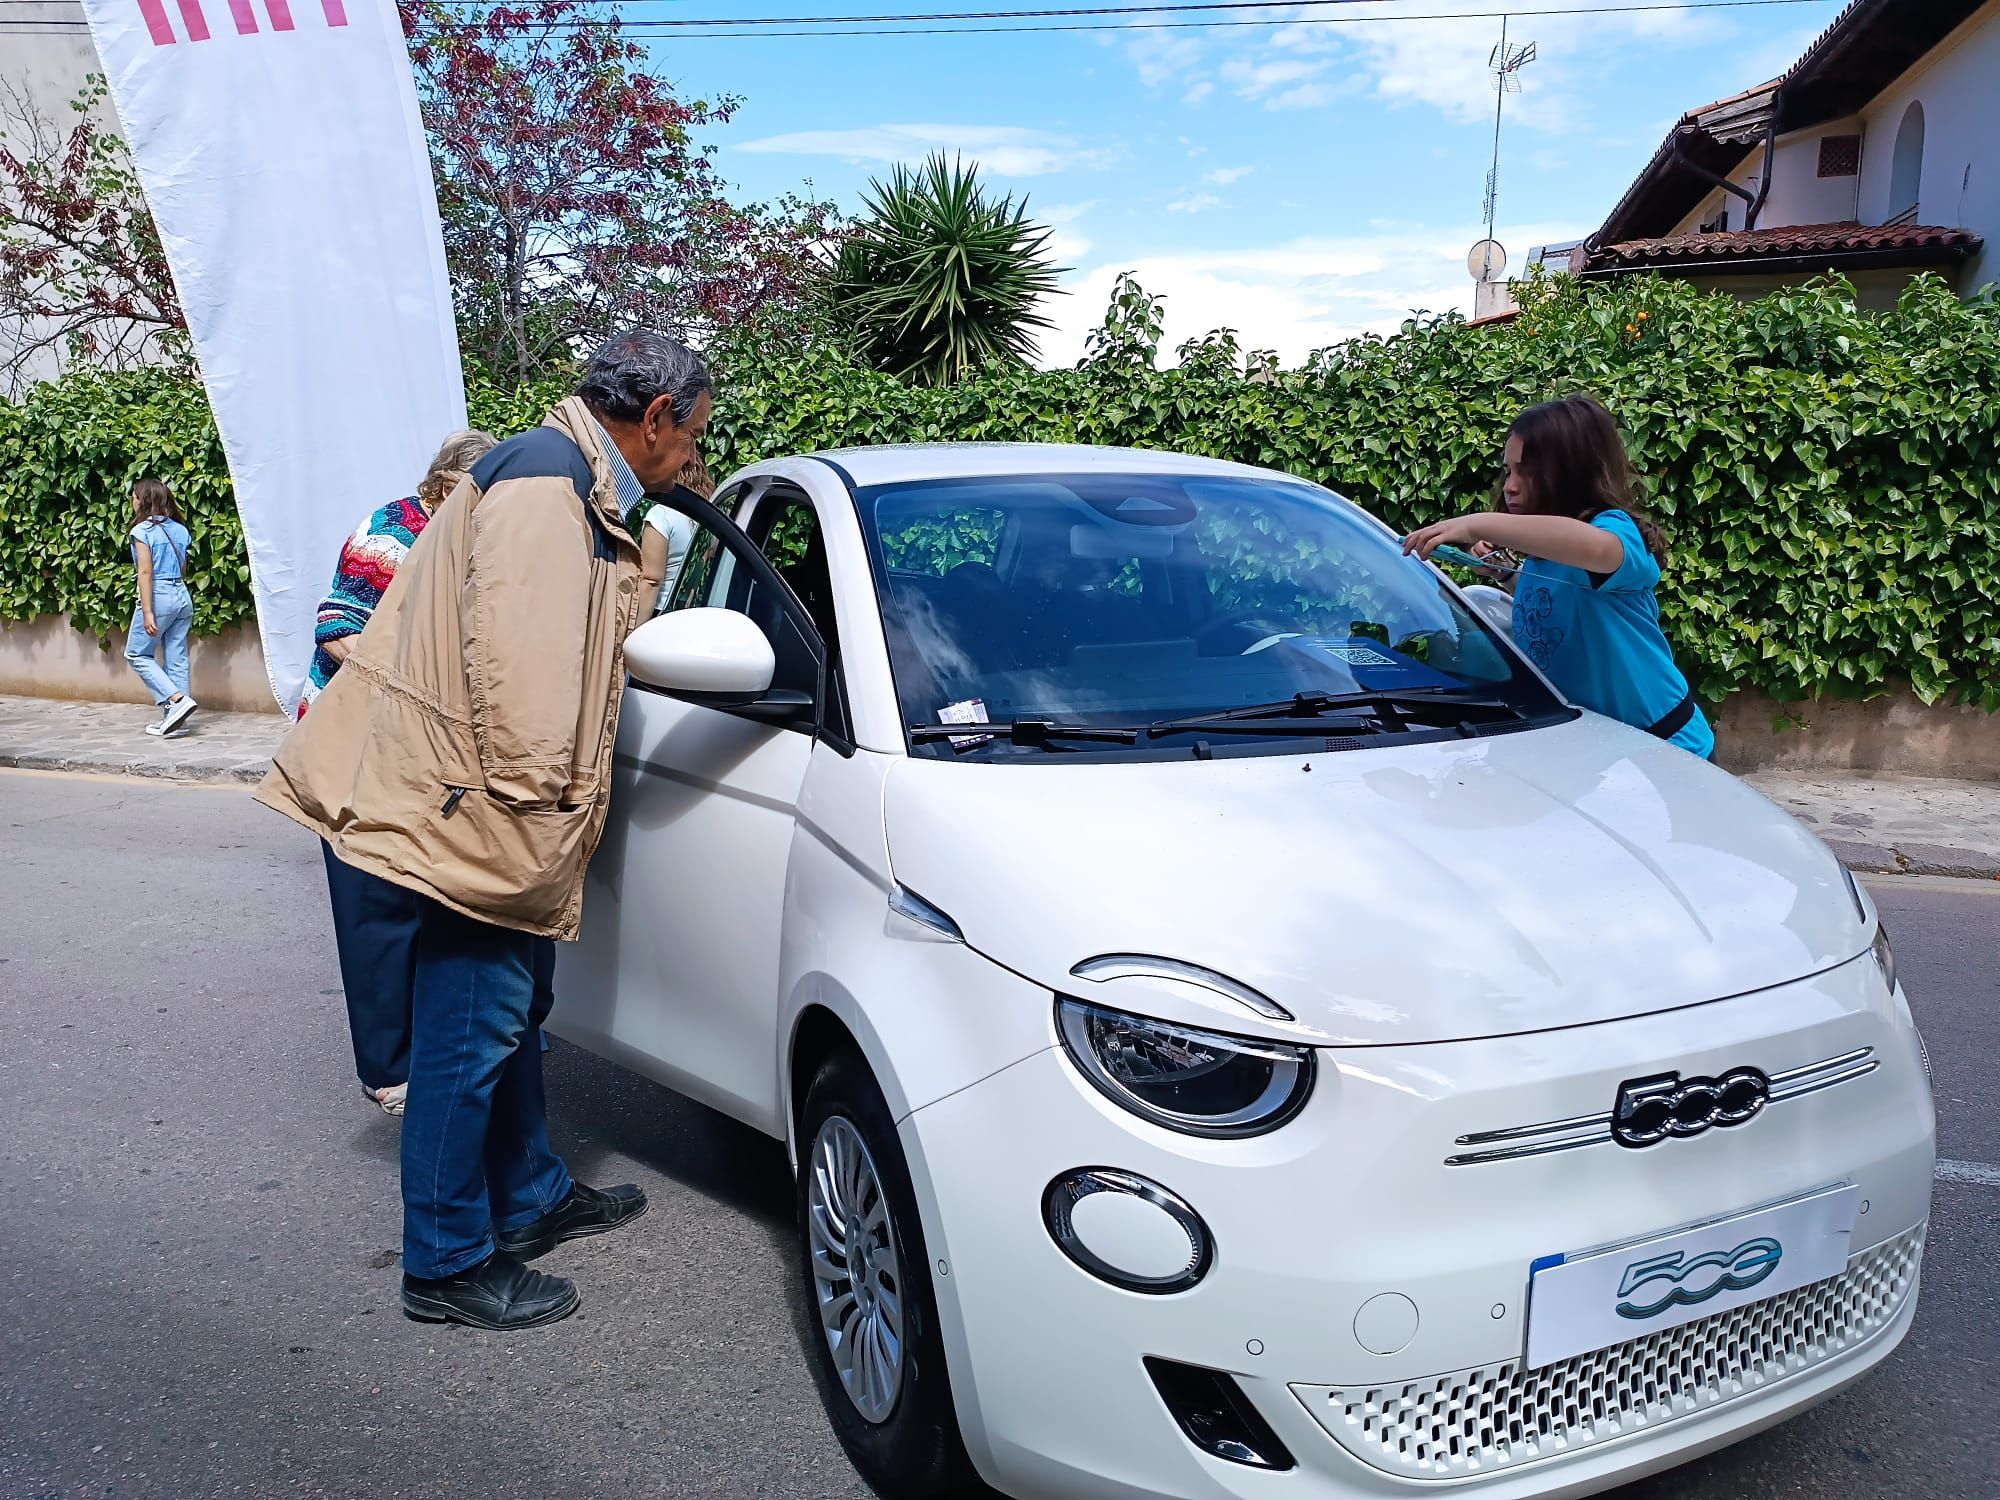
x=1063, y=213
x=1193, y=203
x=1293, y=297
x=1003, y=150
x=1305, y=96
x=1439, y=64
x=1161, y=56
x=1254, y=80
x=1068, y=243
x=1196, y=93
x=1227, y=176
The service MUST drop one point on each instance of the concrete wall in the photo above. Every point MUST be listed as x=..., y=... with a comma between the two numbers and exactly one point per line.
x=1874, y=290
x=1958, y=84
x=1894, y=735
x=48, y=658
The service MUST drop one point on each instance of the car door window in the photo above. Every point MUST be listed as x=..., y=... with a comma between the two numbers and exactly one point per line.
x=712, y=577
x=787, y=531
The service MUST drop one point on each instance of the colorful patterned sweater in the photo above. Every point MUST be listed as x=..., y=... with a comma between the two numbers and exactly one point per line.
x=368, y=562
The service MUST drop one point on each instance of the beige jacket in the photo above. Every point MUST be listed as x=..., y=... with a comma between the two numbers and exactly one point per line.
x=463, y=750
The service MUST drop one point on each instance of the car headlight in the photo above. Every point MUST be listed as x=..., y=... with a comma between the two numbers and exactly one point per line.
x=1196, y=1082
x=1885, y=957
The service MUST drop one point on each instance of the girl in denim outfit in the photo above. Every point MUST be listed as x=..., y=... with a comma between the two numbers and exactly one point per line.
x=164, y=613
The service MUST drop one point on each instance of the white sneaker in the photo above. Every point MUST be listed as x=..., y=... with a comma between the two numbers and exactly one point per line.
x=159, y=725
x=178, y=713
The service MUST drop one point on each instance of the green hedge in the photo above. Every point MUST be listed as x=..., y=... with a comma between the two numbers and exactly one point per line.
x=1829, y=480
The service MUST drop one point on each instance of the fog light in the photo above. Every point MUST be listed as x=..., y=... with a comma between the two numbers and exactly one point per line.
x=1128, y=1231
x=1216, y=1416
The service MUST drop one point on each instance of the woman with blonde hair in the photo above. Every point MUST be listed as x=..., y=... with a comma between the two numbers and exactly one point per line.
x=666, y=535
x=374, y=922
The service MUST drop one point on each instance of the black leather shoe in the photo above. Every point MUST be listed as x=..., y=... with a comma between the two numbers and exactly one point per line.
x=587, y=1210
x=499, y=1294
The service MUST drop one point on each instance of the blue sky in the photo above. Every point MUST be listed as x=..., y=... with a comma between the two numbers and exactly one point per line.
x=1300, y=183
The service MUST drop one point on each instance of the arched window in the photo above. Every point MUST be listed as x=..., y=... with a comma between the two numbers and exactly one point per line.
x=1906, y=170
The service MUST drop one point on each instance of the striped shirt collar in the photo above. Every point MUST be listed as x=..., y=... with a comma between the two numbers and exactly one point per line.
x=630, y=491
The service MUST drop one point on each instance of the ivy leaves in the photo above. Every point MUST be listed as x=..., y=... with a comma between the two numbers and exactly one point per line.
x=1829, y=480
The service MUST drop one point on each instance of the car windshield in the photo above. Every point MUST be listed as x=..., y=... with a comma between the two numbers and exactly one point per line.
x=1137, y=600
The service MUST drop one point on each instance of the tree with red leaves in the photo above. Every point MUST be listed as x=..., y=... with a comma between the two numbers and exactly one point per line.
x=575, y=196
x=83, y=280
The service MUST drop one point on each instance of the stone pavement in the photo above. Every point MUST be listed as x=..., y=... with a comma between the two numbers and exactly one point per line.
x=1900, y=825
x=47, y=734
x=1903, y=825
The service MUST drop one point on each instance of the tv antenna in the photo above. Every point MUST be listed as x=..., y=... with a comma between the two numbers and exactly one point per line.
x=1505, y=64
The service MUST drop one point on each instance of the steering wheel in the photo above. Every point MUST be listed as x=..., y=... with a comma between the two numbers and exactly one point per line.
x=1241, y=619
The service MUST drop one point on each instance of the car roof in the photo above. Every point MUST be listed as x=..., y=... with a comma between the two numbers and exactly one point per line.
x=907, y=462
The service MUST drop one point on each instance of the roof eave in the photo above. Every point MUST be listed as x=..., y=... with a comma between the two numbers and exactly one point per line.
x=1790, y=262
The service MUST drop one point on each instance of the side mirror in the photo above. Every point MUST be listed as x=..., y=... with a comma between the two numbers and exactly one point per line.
x=1496, y=606
x=713, y=656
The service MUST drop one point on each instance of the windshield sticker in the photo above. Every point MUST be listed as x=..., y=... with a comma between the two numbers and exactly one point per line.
x=968, y=711
x=1372, y=664
x=1357, y=656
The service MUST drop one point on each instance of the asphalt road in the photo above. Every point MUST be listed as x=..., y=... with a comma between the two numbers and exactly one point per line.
x=199, y=1219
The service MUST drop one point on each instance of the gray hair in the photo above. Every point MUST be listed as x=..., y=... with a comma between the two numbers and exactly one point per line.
x=455, y=457
x=630, y=371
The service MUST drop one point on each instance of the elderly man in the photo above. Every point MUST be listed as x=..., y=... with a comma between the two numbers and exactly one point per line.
x=464, y=752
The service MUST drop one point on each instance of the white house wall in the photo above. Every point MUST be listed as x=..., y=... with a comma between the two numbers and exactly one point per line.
x=1958, y=84
x=1799, y=195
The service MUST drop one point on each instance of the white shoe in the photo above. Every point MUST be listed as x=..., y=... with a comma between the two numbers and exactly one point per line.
x=178, y=713
x=390, y=1099
x=159, y=725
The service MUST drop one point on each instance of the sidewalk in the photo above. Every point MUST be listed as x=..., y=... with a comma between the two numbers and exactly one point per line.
x=1904, y=826
x=47, y=734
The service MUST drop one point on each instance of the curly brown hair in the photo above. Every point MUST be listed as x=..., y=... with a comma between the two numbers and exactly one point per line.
x=1574, y=464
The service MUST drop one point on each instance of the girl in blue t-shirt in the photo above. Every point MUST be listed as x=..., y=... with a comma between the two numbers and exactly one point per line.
x=1584, y=610
x=164, y=613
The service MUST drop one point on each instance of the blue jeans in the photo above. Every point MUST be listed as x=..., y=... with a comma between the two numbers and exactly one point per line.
x=173, y=612
x=476, y=1153
x=375, y=932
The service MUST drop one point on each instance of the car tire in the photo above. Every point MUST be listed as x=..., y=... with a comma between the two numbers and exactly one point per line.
x=894, y=1416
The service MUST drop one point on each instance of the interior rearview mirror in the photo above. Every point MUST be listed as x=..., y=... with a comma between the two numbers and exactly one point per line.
x=1496, y=606
x=714, y=656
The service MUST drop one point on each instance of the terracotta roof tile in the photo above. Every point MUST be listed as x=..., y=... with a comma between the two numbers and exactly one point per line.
x=1798, y=239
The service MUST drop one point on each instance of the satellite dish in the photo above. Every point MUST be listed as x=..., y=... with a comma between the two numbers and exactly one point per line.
x=1486, y=260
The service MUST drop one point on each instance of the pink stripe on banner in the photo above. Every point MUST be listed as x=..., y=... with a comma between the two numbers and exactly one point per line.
x=246, y=18
x=194, y=20
x=336, y=12
x=281, y=14
x=156, y=22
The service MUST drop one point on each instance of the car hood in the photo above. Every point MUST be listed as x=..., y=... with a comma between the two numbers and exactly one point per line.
x=1553, y=877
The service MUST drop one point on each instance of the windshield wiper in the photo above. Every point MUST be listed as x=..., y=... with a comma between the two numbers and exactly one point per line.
x=1036, y=732
x=1302, y=713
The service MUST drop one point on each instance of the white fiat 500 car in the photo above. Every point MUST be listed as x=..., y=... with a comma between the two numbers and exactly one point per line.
x=1239, y=1031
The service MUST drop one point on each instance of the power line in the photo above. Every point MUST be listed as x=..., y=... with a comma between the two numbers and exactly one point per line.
x=1032, y=13
x=725, y=26
x=722, y=24
x=1046, y=13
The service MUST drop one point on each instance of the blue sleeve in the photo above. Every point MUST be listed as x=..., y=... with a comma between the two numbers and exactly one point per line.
x=1639, y=571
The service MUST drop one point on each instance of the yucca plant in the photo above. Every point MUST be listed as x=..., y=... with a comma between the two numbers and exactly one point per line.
x=937, y=279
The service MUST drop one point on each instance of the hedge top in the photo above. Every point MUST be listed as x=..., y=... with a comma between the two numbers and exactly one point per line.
x=1829, y=479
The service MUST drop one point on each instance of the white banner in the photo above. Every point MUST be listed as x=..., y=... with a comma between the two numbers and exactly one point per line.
x=284, y=160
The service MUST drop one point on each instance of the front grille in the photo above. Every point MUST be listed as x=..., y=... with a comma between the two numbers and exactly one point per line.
x=1502, y=1416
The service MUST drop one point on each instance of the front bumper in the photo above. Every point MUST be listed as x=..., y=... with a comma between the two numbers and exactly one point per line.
x=1353, y=1201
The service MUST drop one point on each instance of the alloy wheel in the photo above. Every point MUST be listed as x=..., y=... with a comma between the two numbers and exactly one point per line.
x=857, y=1272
